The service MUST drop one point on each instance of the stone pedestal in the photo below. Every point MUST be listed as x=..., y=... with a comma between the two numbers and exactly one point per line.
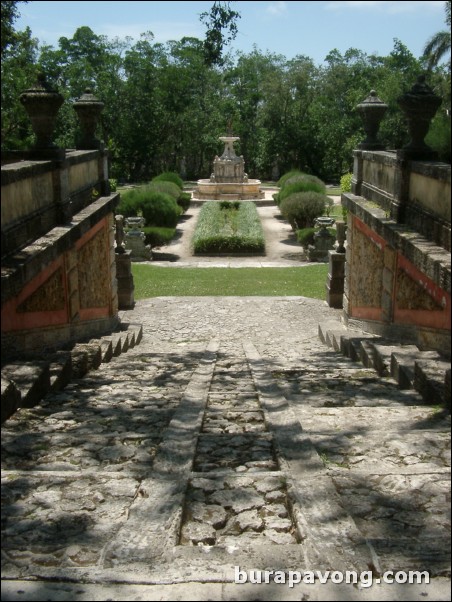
x=335, y=282
x=125, y=280
x=323, y=240
x=135, y=240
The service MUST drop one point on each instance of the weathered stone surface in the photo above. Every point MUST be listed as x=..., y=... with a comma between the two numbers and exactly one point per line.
x=10, y=398
x=211, y=514
x=198, y=533
x=249, y=520
x=32, y=379
x=84, y=495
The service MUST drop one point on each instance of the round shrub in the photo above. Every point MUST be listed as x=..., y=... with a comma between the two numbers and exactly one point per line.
x=286, y=176
x=300, y=186
x=301, y=208
x=169, y=176
x=305, y=177
x=128, y=205
x=160, y=209
x=163, y=186
x=183, y=200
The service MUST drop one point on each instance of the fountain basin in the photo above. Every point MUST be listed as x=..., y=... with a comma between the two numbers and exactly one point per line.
x=228, y=191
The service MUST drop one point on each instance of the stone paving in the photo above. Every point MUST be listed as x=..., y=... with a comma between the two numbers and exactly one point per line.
x=230, y=436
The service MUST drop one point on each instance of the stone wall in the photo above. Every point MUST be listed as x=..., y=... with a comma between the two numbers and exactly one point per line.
x=58, y=260
x=397, y=276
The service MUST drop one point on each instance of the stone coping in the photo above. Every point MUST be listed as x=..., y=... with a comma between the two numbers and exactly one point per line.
x=430, y=169
x=25, y=168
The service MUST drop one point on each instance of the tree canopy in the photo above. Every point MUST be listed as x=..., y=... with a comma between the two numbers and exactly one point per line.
x=167, y=104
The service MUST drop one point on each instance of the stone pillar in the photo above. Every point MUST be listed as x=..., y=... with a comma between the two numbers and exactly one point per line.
x=60, y=177
x=357, y=178
x=401, y=189
x=123, y=267
x=125, y=280
x=335, y=282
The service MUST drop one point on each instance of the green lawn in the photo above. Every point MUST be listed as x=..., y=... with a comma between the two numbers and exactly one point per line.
x=155, y=281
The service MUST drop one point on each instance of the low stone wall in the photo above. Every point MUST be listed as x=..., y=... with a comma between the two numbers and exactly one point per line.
x=397, y=283
x=58, y=261
x=38, y=195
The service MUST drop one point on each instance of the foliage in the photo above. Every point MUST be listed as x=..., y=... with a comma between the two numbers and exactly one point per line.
x=157, y=208
x=128, y=207
x=158, y=236
x=228, y=229
x=164, y=186
x=165, y=106
x=220, y=17
x=306, y=178
x=301, y=209
x=346, y=182
x=302, y=185
x=328, y=205
x=183, y=200
x=153, y=281
x=305, y=236
x=438, y=46
x=113, y=184
x=290, y=174
x=10, y=13
x=169, y=176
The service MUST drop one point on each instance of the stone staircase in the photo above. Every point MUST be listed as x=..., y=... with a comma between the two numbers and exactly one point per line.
x=26, y=382
x=427, y=372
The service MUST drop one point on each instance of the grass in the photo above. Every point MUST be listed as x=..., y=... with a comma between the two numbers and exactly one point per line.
x=155, y=281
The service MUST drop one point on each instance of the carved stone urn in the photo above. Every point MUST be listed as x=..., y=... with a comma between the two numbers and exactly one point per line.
x=88, y=109
x=372, y=111
x=419, y=105
x=42, y=104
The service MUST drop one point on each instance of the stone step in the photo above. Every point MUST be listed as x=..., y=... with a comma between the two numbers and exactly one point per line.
x=425, y=371
x=25, y=383
x=11, y=398
x=31, y=378
x=60, y=370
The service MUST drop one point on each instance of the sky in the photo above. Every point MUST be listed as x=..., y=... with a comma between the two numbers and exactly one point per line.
x=289, y=28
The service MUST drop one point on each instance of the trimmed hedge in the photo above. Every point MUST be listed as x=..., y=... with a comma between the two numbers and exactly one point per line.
x=166, y=187
x=156, y=236
x=157, y=208
x=297, y=181
x=223, y=228
x=169, y=176
x=301, y=209
x=160, y=209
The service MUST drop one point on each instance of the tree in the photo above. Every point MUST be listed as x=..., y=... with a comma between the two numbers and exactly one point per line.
x=439, y=44
x=220, y=17
x=10, y=12
x=18, y=72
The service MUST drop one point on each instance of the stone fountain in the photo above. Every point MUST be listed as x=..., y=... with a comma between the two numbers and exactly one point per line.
x=228, y=180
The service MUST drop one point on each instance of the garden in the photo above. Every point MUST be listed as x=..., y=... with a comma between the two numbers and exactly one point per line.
x=231, y=228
